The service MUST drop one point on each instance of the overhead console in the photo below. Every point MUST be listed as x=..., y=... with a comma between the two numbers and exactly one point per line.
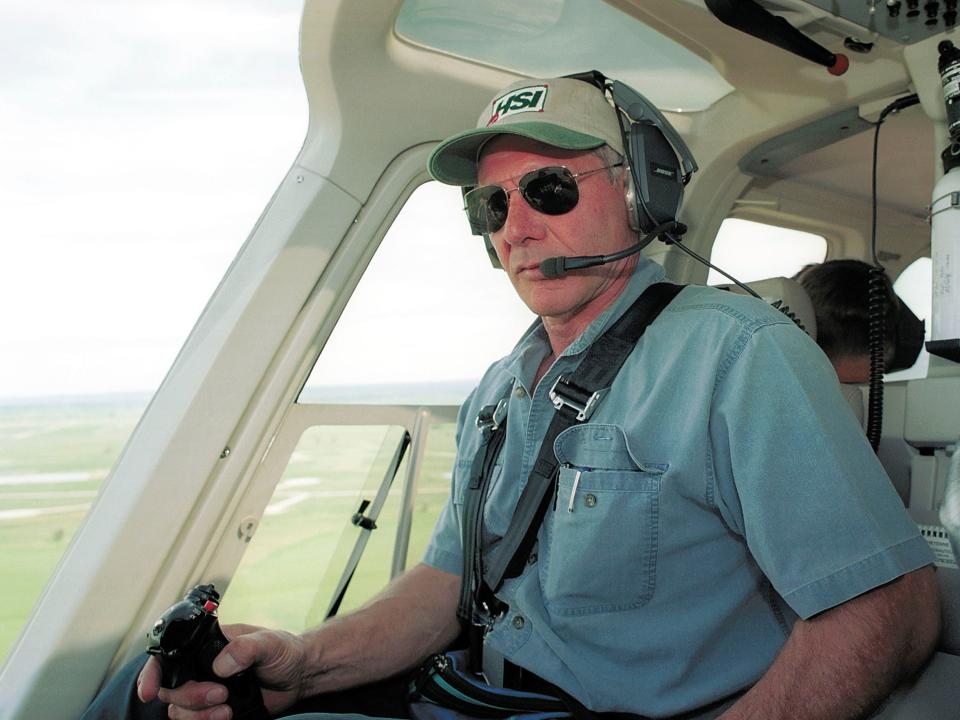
x=861, y=21
x=905, y=21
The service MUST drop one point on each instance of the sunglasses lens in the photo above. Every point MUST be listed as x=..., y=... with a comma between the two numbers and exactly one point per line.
x=486, y=208
x=551, y=190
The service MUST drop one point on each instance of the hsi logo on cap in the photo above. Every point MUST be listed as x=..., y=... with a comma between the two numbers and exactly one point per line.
x=527, y=99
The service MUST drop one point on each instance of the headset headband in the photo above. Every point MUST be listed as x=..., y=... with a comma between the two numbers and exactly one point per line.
x=637, y=108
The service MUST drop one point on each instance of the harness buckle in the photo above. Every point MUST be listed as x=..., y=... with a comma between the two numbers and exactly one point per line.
x=566, y=394
x=489, y=611
x=491, y=417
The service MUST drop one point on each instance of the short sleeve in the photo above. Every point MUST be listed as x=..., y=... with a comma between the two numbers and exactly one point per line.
x=445, y=549
x=796, y=477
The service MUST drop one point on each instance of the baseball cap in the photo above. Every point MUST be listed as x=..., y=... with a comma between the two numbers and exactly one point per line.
x=563, y=112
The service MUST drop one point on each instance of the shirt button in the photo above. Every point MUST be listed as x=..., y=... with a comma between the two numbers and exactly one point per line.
x=590, y=500
x=518, y=622
x=519, y=391
x=532, y=559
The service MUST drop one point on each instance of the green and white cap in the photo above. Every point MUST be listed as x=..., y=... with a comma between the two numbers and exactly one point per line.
x=562, y=112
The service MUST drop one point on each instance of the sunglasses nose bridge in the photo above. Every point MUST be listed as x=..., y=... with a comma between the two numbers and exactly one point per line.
x=523, y=221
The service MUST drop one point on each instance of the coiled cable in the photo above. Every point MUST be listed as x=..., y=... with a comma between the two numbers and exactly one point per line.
x=876, y=307
x=876, y=312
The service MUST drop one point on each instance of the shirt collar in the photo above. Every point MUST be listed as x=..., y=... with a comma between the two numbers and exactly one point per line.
x=644, y=275
x=526, y=356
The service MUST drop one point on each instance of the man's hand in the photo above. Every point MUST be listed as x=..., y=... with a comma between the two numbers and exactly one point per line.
x=414, y=616
x=277, y=659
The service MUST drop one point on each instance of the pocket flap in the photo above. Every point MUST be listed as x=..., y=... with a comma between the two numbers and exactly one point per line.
x=595, y=446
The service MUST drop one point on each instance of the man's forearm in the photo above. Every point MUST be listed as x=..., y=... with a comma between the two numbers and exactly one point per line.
x=845, y=661
x=413, y=617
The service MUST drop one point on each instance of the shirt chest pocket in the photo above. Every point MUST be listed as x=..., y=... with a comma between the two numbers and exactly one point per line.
x=599, y=545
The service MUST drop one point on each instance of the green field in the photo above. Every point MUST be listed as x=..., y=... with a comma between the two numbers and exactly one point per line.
x=290, y=569
x=53, y=457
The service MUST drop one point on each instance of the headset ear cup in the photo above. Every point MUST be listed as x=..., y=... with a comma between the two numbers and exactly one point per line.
x=491, y=252
x=658, y=173
x=630, y=199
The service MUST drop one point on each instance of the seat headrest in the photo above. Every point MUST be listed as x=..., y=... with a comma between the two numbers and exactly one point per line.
x=786, y=295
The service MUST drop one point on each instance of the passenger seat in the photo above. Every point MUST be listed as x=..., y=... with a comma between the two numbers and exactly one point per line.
x=786, y=295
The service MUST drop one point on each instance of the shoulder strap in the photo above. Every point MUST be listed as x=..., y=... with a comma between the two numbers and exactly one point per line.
x=574, y=397
x=491, y=423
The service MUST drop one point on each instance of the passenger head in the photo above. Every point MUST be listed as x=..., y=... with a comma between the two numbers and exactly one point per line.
x=839, y=291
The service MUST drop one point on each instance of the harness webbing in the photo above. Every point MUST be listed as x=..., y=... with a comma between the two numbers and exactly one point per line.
x=575, y=397
x=492, y=424
x=596, y=372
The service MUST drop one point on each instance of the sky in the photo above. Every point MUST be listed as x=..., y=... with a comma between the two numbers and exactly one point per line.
x=137, y=156
x=139, y=143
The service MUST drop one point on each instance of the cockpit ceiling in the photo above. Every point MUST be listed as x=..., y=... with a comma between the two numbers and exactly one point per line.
x=905, y=175
x=548, y=38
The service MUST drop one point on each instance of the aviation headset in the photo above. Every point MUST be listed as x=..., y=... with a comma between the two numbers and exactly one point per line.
x=659, y=161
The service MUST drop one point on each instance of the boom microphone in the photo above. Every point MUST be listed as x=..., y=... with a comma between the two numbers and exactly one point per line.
x=558, y=267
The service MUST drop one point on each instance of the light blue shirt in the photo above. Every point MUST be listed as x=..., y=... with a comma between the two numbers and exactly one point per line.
x=721, y=490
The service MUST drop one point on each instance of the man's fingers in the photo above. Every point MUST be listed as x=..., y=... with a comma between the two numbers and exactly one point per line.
x=148, y=682
x=196, y=696
x=226, y=663
x=203, y=700
x=242, y=652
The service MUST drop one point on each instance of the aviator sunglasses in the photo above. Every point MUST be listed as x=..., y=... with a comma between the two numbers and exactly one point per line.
x=550, y=190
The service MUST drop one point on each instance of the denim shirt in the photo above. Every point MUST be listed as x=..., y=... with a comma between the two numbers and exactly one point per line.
x=722, y=489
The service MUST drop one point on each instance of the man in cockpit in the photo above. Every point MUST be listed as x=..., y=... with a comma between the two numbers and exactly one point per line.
x=839, y=292
x=720, y=537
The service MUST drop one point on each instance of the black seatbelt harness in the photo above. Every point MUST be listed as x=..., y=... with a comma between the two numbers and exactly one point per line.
x=575, y=397
x=491, y=421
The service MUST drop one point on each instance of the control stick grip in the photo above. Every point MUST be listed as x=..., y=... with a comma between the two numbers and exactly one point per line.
x=244, y=696
x=186, y=640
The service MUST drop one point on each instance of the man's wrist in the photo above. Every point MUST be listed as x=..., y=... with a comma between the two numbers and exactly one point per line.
x=316, y=667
